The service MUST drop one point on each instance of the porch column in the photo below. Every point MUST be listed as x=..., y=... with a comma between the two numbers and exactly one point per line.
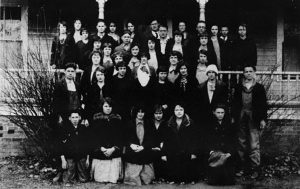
x=24, y=32
x=170, y=27
x=202, y=4
x=280, y=37
x=101, y=4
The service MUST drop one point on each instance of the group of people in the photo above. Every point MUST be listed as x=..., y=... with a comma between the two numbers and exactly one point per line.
x=152, y=108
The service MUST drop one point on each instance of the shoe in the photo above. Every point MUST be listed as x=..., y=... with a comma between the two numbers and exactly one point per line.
x=254, y=175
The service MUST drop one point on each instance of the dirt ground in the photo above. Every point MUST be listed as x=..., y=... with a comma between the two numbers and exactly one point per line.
x=19, y=174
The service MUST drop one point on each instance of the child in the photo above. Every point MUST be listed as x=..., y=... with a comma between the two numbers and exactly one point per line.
x=74, y=154
x=221, y=144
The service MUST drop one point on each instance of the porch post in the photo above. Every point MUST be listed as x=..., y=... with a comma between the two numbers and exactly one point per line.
x=202, y=4
x=24, y=32
x=280, y=37
x=170, y=27
x=101, y=4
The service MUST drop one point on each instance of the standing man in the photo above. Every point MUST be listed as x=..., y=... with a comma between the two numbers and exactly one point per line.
x=216, y=44
x=186, y=36
x=201, y=27
x=66, y=94
x=163, y=39
x=154, y=25
x=244, y=52
x=225, y=42
x=249, y=111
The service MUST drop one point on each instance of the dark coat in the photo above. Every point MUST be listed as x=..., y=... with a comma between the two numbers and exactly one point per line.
x=244, y=53
x=63, y=53
x=61, y=97
x=211, y=55
x=145, y=156
x=220, y=140
x=83, y=49
x=221, y=137
x=143, y=95
x=159, y=133
x=259, y=103
x=121, y=94
x=182, y=141
x=107, y=132
x=92, y=98
x=185, y=94
x=107, y=39
x=109, y=73
x=226, y=53
x=203, y=107
x=74, y=142
x=85, y=81
x=164, y=93
x=169, y=49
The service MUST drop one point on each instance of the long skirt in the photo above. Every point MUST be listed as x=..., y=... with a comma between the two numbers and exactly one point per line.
x=138, y=174
x=107, y=170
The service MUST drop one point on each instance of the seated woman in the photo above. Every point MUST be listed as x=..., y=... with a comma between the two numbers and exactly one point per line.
x=221, y=147
x=159, y=126
x=107, y=144
x=180, y=147
x=139, y=154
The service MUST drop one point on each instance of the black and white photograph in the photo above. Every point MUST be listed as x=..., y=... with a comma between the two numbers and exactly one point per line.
x=147, y=94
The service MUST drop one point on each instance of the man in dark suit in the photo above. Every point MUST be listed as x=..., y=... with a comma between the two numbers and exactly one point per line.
x=244, y=49
x=225, y=48
x=153, y=32
x=66, y=94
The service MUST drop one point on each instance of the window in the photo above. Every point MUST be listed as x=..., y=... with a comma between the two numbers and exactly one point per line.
x=10, y=13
